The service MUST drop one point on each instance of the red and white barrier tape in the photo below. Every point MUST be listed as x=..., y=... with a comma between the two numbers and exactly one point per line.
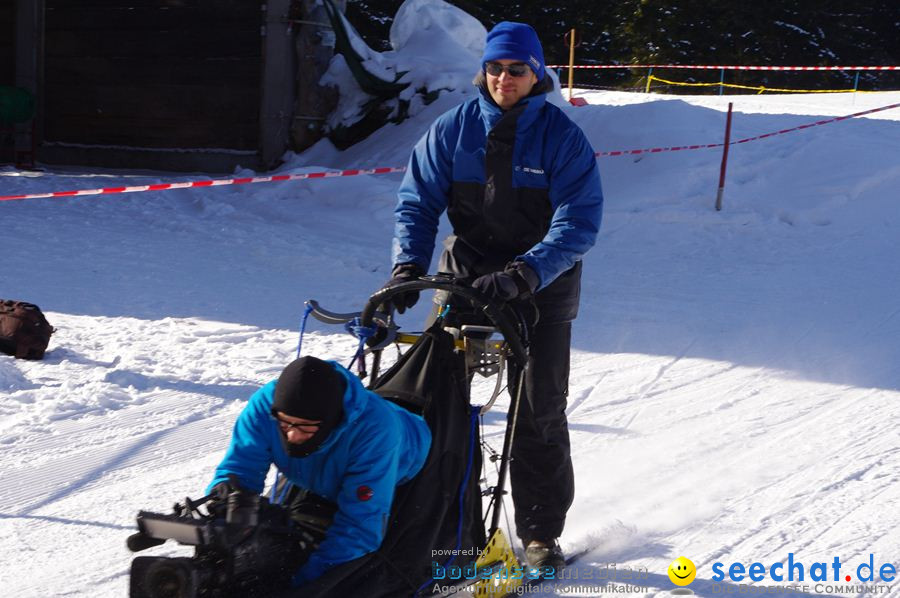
x=208, y=183
x=391, y=169
x=656, y=150
x=727, y=67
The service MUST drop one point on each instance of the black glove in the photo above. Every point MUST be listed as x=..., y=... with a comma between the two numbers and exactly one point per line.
x=218, y=504
x=517, y=281
x=404, y=273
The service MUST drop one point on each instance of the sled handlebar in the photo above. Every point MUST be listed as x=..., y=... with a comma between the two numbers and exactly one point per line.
x=495, y=313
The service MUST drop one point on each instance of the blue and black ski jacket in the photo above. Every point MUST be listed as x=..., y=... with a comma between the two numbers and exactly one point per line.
x=517, y=184
x=375, y=448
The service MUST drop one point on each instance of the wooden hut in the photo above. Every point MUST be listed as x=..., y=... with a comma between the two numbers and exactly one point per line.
x=164, y=84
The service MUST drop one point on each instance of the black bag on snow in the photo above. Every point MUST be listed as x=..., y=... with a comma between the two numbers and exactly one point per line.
x=429, y=379
x=24, y=331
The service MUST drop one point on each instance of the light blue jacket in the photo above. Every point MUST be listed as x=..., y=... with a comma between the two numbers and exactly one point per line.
x=376, y=447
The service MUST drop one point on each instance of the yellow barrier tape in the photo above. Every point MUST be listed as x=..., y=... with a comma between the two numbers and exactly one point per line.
x=759, y=88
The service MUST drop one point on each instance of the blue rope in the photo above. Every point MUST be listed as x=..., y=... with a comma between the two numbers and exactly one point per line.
x=474, y=412
x=363, y=333
x=303, y=327
x=356, y=328
x=360, y=351
x=272, y=490
x=284, y=491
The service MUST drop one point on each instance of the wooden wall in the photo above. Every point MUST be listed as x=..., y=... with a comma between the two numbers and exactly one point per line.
x=153, y=73
x=7, y=42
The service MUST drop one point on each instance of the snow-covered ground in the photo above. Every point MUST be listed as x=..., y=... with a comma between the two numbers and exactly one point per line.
x=736, y=374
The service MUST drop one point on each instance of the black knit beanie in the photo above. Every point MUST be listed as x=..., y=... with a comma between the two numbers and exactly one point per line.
x=311, y=389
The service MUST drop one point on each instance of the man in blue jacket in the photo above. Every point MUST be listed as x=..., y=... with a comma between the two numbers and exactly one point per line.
x=521, y=188
x=330, y=436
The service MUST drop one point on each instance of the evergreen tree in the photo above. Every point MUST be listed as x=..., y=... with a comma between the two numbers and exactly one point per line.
x=795, y=33
x=787, y=32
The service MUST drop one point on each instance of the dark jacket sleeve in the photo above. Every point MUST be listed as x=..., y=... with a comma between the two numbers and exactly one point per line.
x=424, y=193
x=577, y=199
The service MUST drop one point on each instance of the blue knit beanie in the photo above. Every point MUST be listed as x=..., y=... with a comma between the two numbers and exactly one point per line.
x=515, y=41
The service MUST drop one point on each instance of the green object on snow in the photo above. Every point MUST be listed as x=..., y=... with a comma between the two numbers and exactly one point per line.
x=16, y=105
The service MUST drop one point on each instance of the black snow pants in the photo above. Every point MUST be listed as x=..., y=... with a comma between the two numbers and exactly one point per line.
x=541, y=475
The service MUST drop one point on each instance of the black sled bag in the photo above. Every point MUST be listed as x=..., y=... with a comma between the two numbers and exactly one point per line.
x=429, y=379
x=24, y=331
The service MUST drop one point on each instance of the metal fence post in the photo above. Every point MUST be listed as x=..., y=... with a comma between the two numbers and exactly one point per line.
x=724, y=160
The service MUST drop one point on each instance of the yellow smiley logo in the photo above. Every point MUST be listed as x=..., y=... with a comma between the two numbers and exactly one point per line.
x=682, y=571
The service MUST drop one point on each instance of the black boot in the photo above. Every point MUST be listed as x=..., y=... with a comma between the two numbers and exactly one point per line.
x=541, y=555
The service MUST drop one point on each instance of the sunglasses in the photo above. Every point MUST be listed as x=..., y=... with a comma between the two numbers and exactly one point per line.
x=288, y=426
x=516, y=69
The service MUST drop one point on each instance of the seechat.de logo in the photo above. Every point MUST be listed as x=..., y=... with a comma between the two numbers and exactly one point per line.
x=796, y=570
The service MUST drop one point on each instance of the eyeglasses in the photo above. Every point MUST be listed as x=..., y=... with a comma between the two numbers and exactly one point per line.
x=302, y=428
x=516, y=69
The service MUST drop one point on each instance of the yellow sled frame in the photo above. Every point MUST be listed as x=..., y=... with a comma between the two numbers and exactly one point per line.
x=507, y=577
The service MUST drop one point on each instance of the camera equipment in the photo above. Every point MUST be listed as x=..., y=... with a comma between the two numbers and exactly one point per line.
x=244, y=546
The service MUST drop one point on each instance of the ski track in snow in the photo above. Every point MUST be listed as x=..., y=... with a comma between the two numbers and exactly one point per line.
x=734, y=385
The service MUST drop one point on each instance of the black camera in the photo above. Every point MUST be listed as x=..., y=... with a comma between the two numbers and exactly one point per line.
x=244, y=546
